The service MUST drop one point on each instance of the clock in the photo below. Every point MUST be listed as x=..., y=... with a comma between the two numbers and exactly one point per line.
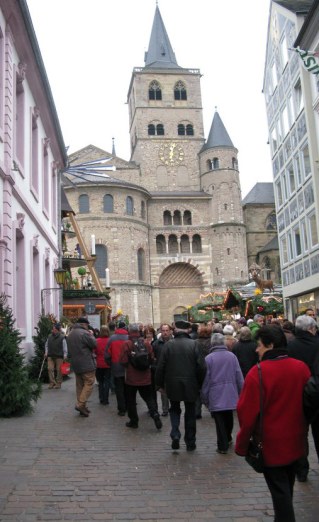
x=171, y=153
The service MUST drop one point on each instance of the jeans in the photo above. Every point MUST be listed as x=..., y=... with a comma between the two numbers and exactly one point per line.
x=224, y=422
x=120, y=392
x=189, y=421
x=84, y=386
x=147, y=395
x=280, y=481
x=103, y=376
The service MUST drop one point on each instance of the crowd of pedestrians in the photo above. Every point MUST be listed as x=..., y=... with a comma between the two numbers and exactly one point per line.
x=249, y=366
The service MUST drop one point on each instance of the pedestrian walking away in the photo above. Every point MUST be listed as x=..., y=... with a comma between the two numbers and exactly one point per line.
x=180, y=372
x=56, y=351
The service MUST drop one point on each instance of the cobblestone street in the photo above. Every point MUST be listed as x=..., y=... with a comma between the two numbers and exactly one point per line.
x=56, y=466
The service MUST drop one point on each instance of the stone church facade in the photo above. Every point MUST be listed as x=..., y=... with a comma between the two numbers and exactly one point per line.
x=168, y=223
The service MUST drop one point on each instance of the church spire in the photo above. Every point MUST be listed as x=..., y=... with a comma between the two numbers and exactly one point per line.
x=218, y=135
x=160, y=54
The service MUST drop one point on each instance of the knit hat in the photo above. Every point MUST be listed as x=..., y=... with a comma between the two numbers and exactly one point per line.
x=228, y=329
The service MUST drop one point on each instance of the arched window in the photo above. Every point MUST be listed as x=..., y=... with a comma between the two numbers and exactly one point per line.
x=155, y=130
x=209, y=164
x=143, y=210
x=180, y=92
x=141, y=264
x=215, y=163
x=160, y=244
x=196, y=244
x=84, y=204
x=129, y=206
x=167, y=217
x=181, y=129
x=185, y=245
x=108, y=203
x=101, y=261
x=177, y=219
x=228, y=251
x=154, y=91
x=187, y=217
x=271, y=222
x=172, y=244
x=189, y=130
x=234, y=163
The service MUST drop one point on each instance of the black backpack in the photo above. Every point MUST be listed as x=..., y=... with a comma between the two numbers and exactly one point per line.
x=139, y=356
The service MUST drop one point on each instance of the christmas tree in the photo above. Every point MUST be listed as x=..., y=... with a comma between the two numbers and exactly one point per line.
x=18, y=390
x=43, y=329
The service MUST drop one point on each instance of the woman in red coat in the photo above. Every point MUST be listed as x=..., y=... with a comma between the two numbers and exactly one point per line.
x=284, y=430
x=103, y=370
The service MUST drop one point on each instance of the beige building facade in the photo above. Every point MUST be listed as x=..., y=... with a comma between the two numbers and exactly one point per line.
x=168, y=224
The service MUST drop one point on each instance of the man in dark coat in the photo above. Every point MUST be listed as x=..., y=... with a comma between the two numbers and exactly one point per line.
x=80, y=345
x=305, y=347
x=180, y=372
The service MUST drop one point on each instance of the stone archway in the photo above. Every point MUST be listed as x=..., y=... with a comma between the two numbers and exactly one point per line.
x=180, y=285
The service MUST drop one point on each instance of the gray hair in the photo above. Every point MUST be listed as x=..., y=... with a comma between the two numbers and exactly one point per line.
x=245, y=334
x=134, y=327
x=218, y=328
x=257, y=316
x=305, y=322
x=217, y=339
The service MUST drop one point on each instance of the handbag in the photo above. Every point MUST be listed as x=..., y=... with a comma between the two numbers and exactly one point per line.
x=65, y=368
x=254, y=455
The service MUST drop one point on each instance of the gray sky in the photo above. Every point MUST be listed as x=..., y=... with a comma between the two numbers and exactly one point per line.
x=90, y=48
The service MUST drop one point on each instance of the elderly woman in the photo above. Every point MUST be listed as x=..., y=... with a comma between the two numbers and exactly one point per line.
x=284, y=429
x=245, y=350
x=221, y=388
x=204, y=333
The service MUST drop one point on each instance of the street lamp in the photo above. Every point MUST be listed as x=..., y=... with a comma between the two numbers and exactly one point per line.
x=60, y=276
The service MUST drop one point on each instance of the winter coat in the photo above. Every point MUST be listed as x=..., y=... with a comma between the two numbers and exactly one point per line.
x=113, y=351
x=80, y=347
x=203, y=346
x=99, y=352
x=223, y=380
x=304, y=347
x=245, y=352
x=180, y=369
x=134, y=377
x=254, y=327
x=284, y=425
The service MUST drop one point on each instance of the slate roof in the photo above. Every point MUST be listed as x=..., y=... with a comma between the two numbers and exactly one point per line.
x=271, y=245
x=160, y=54
x=180, y=194
x=218, y=135
x=297, y=6
x=261, y=193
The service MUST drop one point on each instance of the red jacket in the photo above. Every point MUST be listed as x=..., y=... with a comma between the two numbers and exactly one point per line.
x=113, y=351
x=99, y=351
x=135, y=377
x=284, y=425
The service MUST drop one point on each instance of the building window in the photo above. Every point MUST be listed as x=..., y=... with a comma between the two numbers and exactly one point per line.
x=298, y=98
x=189, y=130
x=215, y=163
x=177, y=219
x=167, y=218
x=225, y=206
x=84, y=204
x=297, y=241
x=271, y=222
x=185, y=245
x=197, y=244
x=180, y=92
x=298, y=170
x=234, y=163
x=284, y=52
x=155, y=130
x=45, y=177
x=141, y=264
x=304, y=236
x=108, y=204
x=172, y=244
x=306, y=161
x=129, y=206
x=228, y=251
x=187, y=217
x=20, y=119
x=160, y=244
x=274, y=139
x=34, y=152
x=279, y=193
x=284, y=252
x=101, y=262
x=313, y=230
x=143, y=210
x=181, y=129
x=291, y=176
x=209, y=164
x=154, y=91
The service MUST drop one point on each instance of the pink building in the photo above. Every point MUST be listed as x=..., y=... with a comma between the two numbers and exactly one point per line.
x=32, y=154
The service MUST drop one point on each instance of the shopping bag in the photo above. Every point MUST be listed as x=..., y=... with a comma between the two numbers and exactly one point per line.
x=65, y=368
